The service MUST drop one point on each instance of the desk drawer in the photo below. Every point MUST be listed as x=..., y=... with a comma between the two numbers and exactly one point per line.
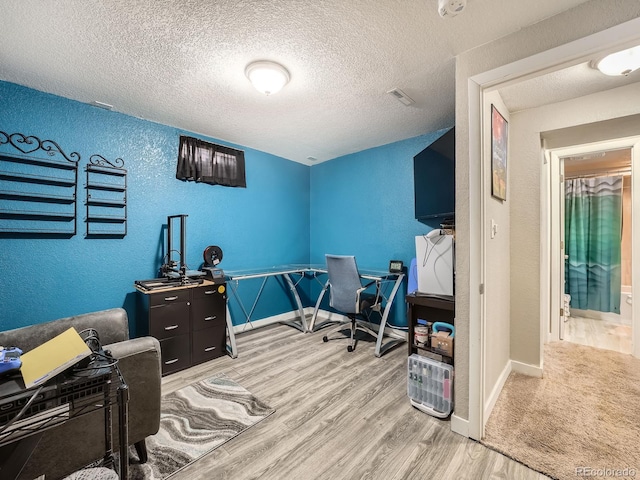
x=175, y=354
x=169, y=298
x=209, y=291
x=208, y=344
x=169, y=320
x=207, y=313
x=209, y=307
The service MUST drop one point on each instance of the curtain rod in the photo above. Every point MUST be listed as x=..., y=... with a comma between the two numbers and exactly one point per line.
x=612, y=173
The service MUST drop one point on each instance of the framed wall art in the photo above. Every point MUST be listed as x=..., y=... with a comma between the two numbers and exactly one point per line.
x=499, y=143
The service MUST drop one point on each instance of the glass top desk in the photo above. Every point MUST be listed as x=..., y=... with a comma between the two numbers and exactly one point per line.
x=384, y=279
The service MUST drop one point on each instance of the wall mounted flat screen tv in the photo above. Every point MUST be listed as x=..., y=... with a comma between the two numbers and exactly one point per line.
x=434, y=179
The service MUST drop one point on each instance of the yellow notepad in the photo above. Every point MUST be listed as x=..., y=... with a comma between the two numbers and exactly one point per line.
x=52, y=357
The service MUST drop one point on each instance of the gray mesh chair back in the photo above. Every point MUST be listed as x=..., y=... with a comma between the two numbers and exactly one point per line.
x=344, y=281
x=347, y=292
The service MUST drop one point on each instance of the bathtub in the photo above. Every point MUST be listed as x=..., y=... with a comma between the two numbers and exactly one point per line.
x=625, y=317
x=626, y=300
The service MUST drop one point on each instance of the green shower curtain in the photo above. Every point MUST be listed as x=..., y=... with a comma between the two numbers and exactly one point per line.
x=593, y=236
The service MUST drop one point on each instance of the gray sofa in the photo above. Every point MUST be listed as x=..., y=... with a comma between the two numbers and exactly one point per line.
x=80, y=441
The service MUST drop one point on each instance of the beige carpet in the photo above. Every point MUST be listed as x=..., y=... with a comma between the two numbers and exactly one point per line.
x=584, y=413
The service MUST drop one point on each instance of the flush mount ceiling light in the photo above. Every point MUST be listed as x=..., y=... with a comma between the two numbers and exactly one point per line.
x=268, y=77
x=619, y=63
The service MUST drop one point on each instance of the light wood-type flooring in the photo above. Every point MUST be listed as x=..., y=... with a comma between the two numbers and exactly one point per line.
x=339, y=415
x=598, y=333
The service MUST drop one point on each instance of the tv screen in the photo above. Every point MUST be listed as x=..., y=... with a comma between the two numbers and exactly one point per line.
x=434, y=179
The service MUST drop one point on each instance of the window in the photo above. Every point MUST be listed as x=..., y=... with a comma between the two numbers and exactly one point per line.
x=201, y=161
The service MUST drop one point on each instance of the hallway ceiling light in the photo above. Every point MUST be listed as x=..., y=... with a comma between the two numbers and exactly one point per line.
x=619, y=63
x=267, y=77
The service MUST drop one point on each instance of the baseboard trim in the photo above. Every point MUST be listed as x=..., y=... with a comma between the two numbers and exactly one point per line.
x=459, y=425
x=323, y=316
x=495, y=392
x=511, y=366
x=526, y=369
x=327, y=316
x=263, y=322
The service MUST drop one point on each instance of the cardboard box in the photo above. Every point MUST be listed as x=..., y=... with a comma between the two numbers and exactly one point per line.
x=442, y=343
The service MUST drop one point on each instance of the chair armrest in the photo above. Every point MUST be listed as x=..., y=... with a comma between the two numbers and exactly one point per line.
x=376, y=302
x=358, y=292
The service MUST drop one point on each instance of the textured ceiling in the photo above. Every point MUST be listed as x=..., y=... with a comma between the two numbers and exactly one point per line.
x=571, y=82
x=181, y=63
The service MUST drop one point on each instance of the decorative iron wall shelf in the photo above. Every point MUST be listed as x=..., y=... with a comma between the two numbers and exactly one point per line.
x=38, y=194
x=106, y=198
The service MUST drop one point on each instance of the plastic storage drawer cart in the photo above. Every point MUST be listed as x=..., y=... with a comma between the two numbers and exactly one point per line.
x=430, y=385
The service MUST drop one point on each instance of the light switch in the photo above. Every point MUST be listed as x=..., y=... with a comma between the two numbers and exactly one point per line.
x=494, y=228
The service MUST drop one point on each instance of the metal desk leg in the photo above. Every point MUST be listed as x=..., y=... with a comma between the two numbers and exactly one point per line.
x=303, y=321
x=123, y=431
x=312, y=325
x=379, y=350
x=234, y=291
x=231, y=346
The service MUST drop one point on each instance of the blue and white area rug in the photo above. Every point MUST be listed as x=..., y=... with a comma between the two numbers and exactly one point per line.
x=194, y=421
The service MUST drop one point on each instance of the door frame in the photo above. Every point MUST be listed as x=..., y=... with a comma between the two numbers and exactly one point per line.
x=538, y=64
x=556, y=253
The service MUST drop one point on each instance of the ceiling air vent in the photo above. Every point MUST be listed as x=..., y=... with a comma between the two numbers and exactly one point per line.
x=98, y=104
x=401, y=96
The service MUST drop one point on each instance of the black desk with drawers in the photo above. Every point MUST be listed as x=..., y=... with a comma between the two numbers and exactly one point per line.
x=190, y=321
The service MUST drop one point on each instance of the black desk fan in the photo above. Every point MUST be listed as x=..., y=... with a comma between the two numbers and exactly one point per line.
x=212, y=257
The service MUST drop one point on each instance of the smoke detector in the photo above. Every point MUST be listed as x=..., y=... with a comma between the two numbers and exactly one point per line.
x=450, y=8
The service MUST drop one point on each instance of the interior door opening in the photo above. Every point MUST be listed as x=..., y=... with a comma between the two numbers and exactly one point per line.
x=594, y=234
x=596, y=213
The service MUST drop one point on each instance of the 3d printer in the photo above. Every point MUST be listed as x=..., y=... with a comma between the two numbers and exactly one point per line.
x=174, y=271
x=172, y=268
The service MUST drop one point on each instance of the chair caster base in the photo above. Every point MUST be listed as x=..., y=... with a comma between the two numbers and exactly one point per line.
x=349, y=348
x=325, y=339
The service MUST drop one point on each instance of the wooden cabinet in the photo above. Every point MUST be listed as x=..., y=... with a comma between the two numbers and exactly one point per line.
x=431, y=309
x=189, y=322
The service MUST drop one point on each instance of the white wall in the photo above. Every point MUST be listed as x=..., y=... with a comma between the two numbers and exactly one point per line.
x=498, y=269
x=584, y=20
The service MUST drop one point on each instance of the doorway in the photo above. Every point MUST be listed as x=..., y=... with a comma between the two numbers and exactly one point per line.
x=592, y=253
x=597, y=219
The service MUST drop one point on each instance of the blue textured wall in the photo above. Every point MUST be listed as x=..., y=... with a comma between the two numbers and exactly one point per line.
x=363, y=204
x=42, y=279
x=360, y=204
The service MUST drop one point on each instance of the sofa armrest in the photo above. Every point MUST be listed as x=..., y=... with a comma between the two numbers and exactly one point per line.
x=139, y=362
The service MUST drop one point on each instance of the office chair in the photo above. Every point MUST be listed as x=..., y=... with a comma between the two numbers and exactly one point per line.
x=347, y=293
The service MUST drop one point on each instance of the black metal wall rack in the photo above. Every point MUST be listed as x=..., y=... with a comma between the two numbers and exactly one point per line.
x=106, y=200
x=38, y=194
